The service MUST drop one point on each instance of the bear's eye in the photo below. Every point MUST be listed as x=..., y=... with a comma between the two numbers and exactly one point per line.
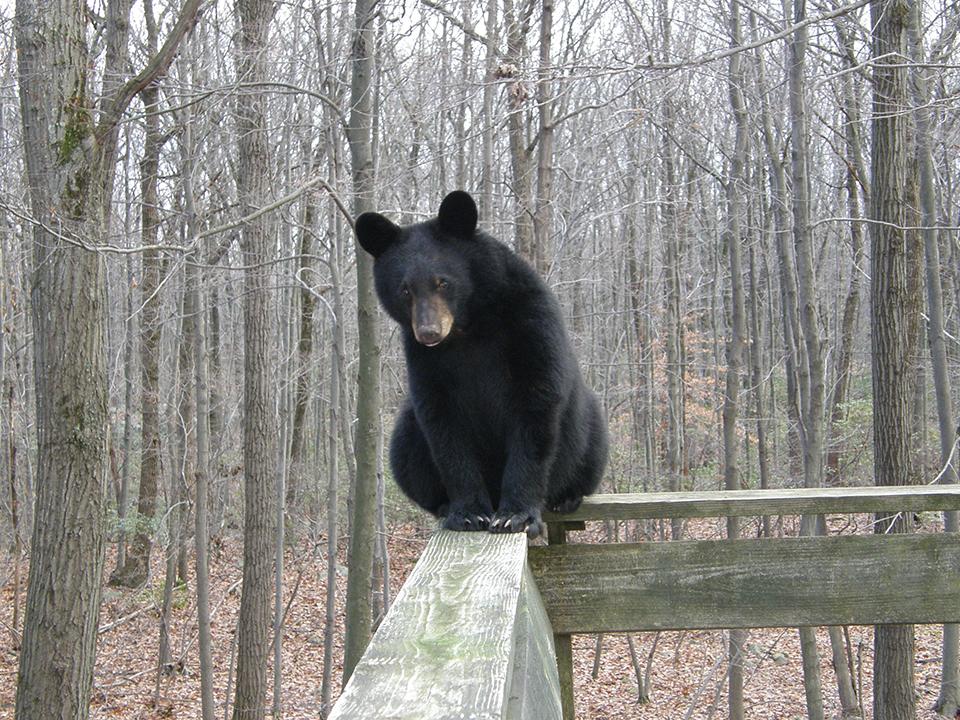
x=405, y=291
x=442, y=284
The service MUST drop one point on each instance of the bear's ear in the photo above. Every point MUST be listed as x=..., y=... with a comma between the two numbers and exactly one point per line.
x=458, y=214
x=375, y=233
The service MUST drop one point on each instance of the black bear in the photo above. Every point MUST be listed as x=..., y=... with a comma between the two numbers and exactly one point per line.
x=498, y=423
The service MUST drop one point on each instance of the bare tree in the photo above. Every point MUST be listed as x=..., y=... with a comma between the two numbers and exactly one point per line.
x=362, y=527
x=809, y=359
x=948, y=702
x=133, y=572
x=893, y=684
x=517, y=21
x=673, y=317
x=543, y=214
x=855, y=180
x=737, y=339
x=490, y=75
x=259, y=426
x=71, y=157
x=196, y=317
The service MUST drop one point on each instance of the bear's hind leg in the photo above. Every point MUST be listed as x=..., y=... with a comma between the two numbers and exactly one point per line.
x=413, y=467
x=567, y=505
x=571, y=482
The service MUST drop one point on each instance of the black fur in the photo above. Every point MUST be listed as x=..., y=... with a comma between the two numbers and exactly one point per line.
x=498, y=424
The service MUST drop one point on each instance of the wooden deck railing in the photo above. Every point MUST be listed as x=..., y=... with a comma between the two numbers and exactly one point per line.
x=469, y=636
x=466, y=637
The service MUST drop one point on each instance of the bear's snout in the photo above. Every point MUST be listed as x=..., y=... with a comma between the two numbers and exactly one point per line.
x=432, y=321
x=429, y=336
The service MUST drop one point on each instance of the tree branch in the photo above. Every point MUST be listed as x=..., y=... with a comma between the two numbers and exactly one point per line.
x=155, y=68
x=467, y=29
x=214, y=256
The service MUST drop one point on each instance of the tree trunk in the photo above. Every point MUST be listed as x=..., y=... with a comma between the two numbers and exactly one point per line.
x=757, y=374
x=948, y=701
x=809, y=358
x=543, y=215
x=67, y=547
x=461, y=137
x=893, y=685
x=305, y=271
x=362, y=526
x=259, y=426
x=123, y=492
x=638, y=278
x=337, y=381
x=68, y=173
x=673, y=318
x=180, y=423
x=333, y=482
x=196, y=315
x=179, y=412
x=490, y=66
x=220, y=490
x=518, y=23
x=787, y=270
x=855, y=177
x=736, y=342
x=133, y=573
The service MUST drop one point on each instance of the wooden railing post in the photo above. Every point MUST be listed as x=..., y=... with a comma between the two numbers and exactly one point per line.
x=563, y=643
x=468, y=636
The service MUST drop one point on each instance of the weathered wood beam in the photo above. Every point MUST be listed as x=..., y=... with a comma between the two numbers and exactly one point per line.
x=786, y=582
x=794, y=501
x=563, y=644
x=467, y=637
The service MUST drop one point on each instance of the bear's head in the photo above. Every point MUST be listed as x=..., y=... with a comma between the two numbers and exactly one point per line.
x=422, y=271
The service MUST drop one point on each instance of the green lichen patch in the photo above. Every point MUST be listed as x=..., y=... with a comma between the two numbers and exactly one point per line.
x=78, y=126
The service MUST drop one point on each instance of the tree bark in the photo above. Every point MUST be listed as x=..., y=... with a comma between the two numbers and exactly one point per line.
x=133, y=573
x=855, y=179
x=68, y=293
x=736, y=342
x=809, y=358
x=337, y=383
x=673, y=318
x=787, y=267
x=123, y=491
x=490, y=68
x=948, y=700
x=196, y=315
x=893, y=685
x=517, y=21
x=70, y=162
x=305, y=271
x=757, y=375
x=543, y=214
x=259, y=426
x=362, y=526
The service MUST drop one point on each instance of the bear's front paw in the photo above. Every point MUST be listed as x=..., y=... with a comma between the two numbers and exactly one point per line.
x=466, y=520
x=522, y=520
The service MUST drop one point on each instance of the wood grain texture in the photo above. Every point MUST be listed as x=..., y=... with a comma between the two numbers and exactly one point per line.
x=783, y=582
x=449, y=645
x=563, y=644
x=535, y=685
x=793, y=501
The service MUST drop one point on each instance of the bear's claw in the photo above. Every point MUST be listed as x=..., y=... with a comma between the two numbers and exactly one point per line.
x=524, y=520
x=465, y=521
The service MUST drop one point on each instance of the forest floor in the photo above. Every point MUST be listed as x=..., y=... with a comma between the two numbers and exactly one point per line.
x=686, y=673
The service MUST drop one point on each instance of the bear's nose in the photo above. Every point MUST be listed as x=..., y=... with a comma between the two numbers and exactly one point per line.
x=429, y=335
